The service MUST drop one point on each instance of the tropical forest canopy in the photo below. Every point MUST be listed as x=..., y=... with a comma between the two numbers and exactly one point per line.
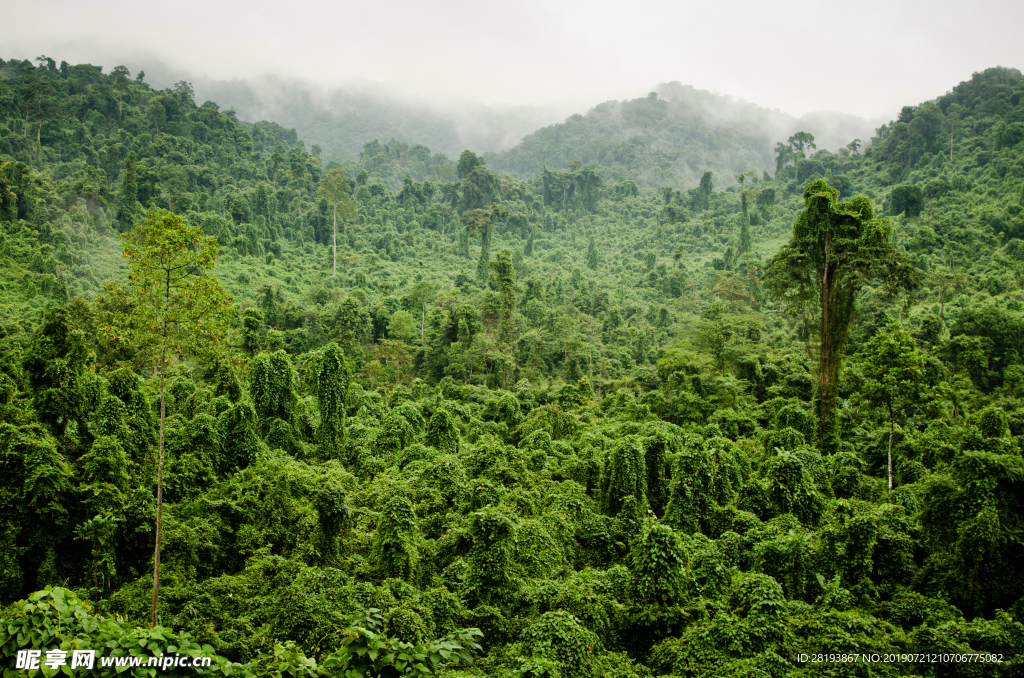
x=502, y=415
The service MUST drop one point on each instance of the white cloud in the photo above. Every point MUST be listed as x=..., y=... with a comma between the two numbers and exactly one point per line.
x=866, y=57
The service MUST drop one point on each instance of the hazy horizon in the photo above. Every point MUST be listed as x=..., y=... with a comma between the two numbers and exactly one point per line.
x=272, y=97
x=864, y=58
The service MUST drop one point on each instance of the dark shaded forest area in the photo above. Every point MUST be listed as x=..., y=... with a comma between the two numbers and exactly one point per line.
x=417, y=417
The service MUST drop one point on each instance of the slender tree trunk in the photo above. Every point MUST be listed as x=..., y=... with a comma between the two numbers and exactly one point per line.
x=160, y=463
x=159, y=491
x=828, y=360
x=423, y=320
x=890, y=447
x=334, y=266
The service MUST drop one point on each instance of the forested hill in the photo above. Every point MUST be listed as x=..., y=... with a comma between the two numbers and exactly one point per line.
x=540, y=425
x=673, y=136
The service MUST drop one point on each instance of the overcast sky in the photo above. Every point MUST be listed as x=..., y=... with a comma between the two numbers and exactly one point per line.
x=866, y=57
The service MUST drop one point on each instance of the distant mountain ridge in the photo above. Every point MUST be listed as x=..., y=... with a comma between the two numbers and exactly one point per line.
x=669, y=140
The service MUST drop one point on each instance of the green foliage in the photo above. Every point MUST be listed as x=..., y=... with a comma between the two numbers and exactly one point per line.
x=790, y=488
x=367, y=652
x=491, y=578
x=252, y=323
x=272, y=386
x=969, y=514
x=55, y=618
x=176, y=308
x=395, y=544
x=55, y=366
x=658, y=562
x=34, y=477
x=893, y=377
x=561, y=639
x=703, y=480
x=327, y=377
x=748, y=632
x=335, y=517
x=625, y=475
x=442, y=432
x=908, y=200
x=239, y=431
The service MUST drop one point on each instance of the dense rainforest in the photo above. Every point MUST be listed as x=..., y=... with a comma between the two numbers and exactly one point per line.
x=417, y=417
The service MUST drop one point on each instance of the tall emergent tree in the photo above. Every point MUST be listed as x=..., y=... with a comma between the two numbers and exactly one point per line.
x=799, y=141
x=836, y=249
x=120, y=76
x=177, y=309
x=337, y=191
x=421, y=294
x=783, y=155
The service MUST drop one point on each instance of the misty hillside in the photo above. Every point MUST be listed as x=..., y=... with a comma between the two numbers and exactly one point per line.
x=342, y=120
x=668, y=141
x=673, y=136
